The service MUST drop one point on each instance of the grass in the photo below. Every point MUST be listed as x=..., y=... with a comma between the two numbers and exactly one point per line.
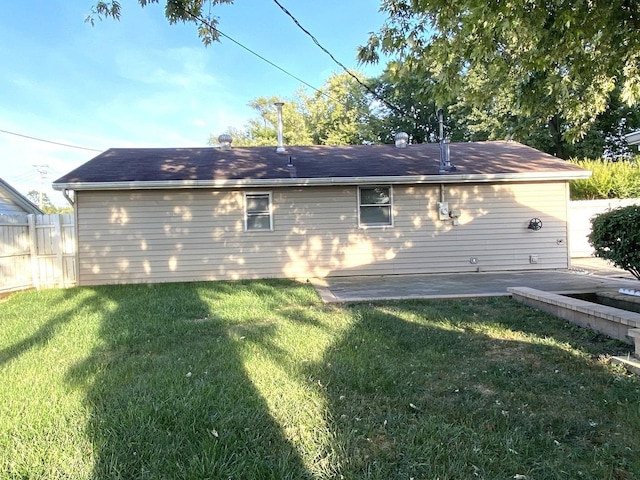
x=261, y=380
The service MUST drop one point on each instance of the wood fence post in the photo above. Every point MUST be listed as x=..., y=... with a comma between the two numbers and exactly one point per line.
x=57, y=248
x=33, y=250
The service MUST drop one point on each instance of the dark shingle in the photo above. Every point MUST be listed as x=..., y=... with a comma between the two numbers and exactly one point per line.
x=248, y=163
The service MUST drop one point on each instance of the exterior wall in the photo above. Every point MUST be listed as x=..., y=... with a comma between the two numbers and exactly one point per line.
x=13, y=202
x=8, y=206
x=186, y=235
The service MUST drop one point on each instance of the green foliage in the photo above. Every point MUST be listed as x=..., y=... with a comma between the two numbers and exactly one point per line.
x=543, y=61
x=615, y=236
x=546, y=74
x=193, y=11
x=337, y=114
x=262, y=131
x=46, y=206
x=608, y=180
x=415, y=112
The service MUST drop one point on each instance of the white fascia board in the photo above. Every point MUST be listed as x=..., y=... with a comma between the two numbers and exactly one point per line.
x=309, y=182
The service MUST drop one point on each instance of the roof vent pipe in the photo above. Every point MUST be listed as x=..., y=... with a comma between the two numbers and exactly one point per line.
x=445, y=158
x=440, y=124
x=225, y=141
x=280, y=148
x=401, y=139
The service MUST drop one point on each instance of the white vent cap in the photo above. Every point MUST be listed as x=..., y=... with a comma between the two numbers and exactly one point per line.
x=402, y=139
x=225, y=141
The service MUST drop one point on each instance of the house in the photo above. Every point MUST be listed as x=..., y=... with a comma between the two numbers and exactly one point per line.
x=187, y=214
x=13, y=202
x=633, y=138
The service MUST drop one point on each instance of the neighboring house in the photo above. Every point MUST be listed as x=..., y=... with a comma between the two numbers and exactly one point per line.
x=186, y=214
x=13, y=202
x=633, y=138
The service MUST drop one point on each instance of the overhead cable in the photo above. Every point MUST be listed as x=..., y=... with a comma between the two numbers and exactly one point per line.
x=341, y=65
x=204, y=21
x=50, y=141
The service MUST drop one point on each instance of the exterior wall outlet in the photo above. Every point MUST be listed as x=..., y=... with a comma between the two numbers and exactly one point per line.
x=533, y=259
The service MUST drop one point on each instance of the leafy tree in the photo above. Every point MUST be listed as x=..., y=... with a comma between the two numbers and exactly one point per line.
x=497, y=120
x=34, y=197
x=615, y=236
x=175, y=11
x=339, y=113
x=544, y=63
x=263, y=130
x=46, y=206
x=415, y=110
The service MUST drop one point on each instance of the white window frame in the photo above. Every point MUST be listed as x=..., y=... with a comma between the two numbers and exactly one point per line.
x=360, y=205
x=248, y=214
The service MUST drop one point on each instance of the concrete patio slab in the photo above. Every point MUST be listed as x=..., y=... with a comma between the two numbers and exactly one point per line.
x=589, y=275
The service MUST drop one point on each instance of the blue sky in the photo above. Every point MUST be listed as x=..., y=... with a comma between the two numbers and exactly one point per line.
x=141, y=82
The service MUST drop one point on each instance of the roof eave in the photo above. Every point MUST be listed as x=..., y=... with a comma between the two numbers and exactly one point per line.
x=308, y=182
x=20, y=200
x=633, y=138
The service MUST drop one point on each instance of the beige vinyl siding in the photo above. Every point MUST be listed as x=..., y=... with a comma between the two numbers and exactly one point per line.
x=186, y=235
x=8, y=206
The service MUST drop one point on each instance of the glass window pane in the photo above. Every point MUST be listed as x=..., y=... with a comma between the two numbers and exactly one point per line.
x=259, y=222
x=374, y=196
x=375, y=215
x=257, y=203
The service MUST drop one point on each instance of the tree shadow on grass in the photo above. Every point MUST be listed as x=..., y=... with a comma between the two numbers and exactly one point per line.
x=423, y=392
x=48, y=330
x=168, y=393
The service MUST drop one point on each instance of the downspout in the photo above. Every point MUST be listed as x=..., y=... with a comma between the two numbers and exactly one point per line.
x=65, y=194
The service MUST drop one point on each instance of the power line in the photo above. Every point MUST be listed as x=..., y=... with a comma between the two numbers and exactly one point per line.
x=315, y=40
x=204, y=21
x=50, y=141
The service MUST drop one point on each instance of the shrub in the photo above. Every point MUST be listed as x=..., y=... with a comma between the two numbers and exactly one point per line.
x=608, y=180
x=615, y=236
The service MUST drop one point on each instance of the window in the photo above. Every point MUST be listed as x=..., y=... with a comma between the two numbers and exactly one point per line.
x=257, y=208
x=374, y=205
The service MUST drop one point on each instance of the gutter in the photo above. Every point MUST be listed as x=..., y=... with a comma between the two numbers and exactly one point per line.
x=328, y=181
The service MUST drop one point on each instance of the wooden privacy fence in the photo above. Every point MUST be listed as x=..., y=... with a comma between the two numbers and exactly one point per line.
x=37, y=251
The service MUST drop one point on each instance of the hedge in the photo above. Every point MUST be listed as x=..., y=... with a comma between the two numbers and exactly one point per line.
x=609, y=180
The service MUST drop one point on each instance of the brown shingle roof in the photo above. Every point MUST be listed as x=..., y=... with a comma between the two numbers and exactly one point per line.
x=202, y=165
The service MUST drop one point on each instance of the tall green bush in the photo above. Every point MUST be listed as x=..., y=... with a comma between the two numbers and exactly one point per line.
x=615, y=236
x=608, y=180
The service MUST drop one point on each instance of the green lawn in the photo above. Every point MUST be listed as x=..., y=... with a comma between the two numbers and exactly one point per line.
x=252, y=380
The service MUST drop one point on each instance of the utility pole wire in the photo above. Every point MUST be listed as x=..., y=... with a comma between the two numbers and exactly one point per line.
x=204, y=21
x=366, y=87
x=49, y=141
